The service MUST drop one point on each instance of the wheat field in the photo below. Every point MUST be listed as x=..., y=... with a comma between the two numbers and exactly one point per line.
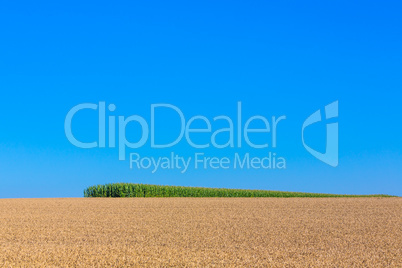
x=201, y=232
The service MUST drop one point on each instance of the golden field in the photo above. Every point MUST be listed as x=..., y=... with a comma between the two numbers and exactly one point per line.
x=201, y=232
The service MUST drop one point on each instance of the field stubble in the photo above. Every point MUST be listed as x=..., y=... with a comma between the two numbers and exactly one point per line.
x=165, y=232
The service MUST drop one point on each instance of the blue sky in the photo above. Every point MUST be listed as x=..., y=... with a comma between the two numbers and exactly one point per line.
x=204, y=57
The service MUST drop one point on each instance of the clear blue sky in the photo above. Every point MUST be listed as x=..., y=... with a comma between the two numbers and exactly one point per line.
x=277, y=58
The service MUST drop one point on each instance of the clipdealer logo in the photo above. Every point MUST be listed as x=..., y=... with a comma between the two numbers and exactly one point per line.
x=331, y=154
x=112, y=133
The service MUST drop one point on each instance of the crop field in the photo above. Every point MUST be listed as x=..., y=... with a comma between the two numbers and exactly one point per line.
x=145, y=190
x=201, y=232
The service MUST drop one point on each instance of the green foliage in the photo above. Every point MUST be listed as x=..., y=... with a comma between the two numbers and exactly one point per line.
x=144, y=190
